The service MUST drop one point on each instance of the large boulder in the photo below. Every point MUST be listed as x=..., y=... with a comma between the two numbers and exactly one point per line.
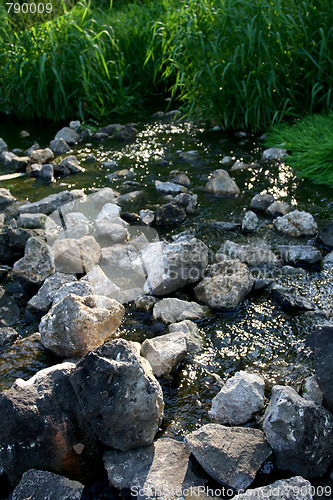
x=173, y=310
x=122, y=400
x=42, y=485
x=52, y=202
x=296, y=223
x=240, y=398
x=76, y=255
x=226, y=284
x=252, y=254
x=295, y=488
x=323, y=361
x=76, y=324
x=42, y=301
x=221, y=183
x=163, y=470
x=299, y=432
x=172, y=266
x=230, y=455
x=37, y=263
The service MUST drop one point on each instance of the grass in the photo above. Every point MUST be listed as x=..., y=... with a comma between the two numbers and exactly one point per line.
x=310, y=142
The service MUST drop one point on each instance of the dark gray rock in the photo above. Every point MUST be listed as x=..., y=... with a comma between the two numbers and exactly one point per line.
x=42, y=485
x=42, y=172
x=323, y=360
x=14, y=162
x=274, y=154
x=260, y=202
x=32, y=221
x=299, y=254
x=289, y=301
x=52, y=202
x=299, y=432
x=129, y=199
x=188, y=201
x=7, y=334
x=5, y=198
x=37, y=263
x=169, y=215
x=295, y=488
x=182, y=179
x=122, y=400
x=226, y=226
x=325, y=235
x=230, y=455
x=311, y=390
x=42, y=301
x=59, y=146
x=3, y=146
x=9, y=311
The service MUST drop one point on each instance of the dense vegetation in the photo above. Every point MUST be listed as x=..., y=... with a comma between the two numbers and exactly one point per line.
x=239, y=63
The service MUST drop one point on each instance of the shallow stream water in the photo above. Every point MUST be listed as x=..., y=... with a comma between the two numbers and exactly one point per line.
x=258, y=336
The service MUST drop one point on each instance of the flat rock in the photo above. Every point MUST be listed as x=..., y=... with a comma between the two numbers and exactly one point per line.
x=299, y=432
x=37, y=263
x=52, y=202
x=260, y=202
x=7, y=335
x=222, y=184
x=226, y=226
x=71, y=164
x=299, y=254
x=76, y=324
x=295, y=488
x=290, y=301
x=325, y=235
x=6, y=198
x=42, y=485
x=230, y=455
x=240, y=398
x=252, y=254
x=173, y=310
x=323, y=361
x=42, y=301
x=296, y=223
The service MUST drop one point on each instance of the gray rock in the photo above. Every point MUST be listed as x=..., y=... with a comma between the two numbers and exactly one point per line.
x=145, y=302
x=42, y=485
x=41, y=156
x=260, y=202
x=101, y=197
x=172, y=266
x=296, y=223
x=109, y=164
x=187, y=200
x=295, y=488
x=101, y=284
x=110, y=212
x=52, y=202
x=299, y=254
x=122, y=401
x=250, y=222
x=43, y=172
x=130, y=199
x=278, y=208
x=238, y=166
x=325, y=235
x=323, y=361
x=182, y=179
x=328, y=260
x=170, y=214
x=299, y=432
x=75, y=125
x=76, y=256
x=222, y=184
x=6, y=198
x=289, y=301
x=161, y=471
x=3, y=146
x=172, y=310
x=274, y=154
x=80, y=288
x=121, y=175
x=59, y=146
x=42, y=301
x=71, y=164
x=109, y=233
x=68, y=135
x=147, y=216
x=252, y=254
x=14, y=162
x=190, y=332
x=32, y=221
x=7, y=335
x=311, y=390
x=226, y=226
x=76, y=324
x=240, y=398
x=230, y=455
x=226, y=159
x=9, y=311
x=169, y=187
x=37, y=263
x=164, y=353
x=225, y=286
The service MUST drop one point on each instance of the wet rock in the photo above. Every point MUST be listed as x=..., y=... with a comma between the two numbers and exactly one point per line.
x=145, y=302
x=14, y=162
x=68, y=135
x=101, y=284
x=169, y=187
x=76, y=324
x=230, y=455
x=37, y=263
x=173, y=310
x=222, y=184
x=81, y=288
x=227, y=159
x=190, y=332
x=42, y=427
x=289, y=301
x=226, y=284
x=293, y=270
x=164, y=353
x=312, y=391
x=252, y=254
x=6, y=198
x=182, y=179
x=323, y=361
x=295, y=488
x=124, y=263
x=187, y=200
x=122, y=401
x=76, y=256
x=299, y=254
x=59, y=146
x=110, y=163
x=32, y=221
x=70, y=164
x=172, y=266
x=278, y=208
x=43, y=172
x=52, y=202
x=129, y=199
x=296, y=223
x=299, y=432
x=147, y=216
x=42, y=485
x=42, y=301
x=169, y=214
x=121, y=175
x=238, y=166
x=41, y=156
x=262, y=283
x=3, y=146
x=7, y=335
x=328, y=260
x=226, y=226
x=250, y=222
x=260, y=202
x=274, y=154
x=325, y=235
x=162, y=470
x=116, y=131
x=240, y=398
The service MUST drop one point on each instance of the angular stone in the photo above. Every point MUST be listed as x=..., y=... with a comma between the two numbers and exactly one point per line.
x=278, y=208
x=102, y=196
x=299, y=432
x=71, y=164
x=226, y=284
x=328, y=260
x=102, y=285
x=169, y=187
x=187, y=200
x=190, y=332
x=260, y=202
x=169, y=214
x=274, y=154
x=323, y=361
x=32, y=221
x=240, y=398
x=9, y=311
x=145, y=302
x=42, y=301
x=251, y=254
x=311, y=390
x=59, y=146
x=80, y=288
x=163, y=470
x=164, y=353
x=230, y=455
x=52, y=202
x=6, y=198
x=76, y=256
x=14, y=162
x=129, y=199
x=296, y=223
x=76, y=324
x=299, y=254
x=122, y=400
x=295, y=488
x=289, y=301
x=68, y=135
x=147, y=216
x=37, y=263
x=7, y=335
x=3, y=146
x=250, y=222
x=42, y=172
x=325, y=235
x=41, y=156
x=42, y=485
x=222, y=184
x=172, y=310
x=182, y=179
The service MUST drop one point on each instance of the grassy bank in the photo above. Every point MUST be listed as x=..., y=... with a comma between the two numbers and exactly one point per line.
x=239, y=63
